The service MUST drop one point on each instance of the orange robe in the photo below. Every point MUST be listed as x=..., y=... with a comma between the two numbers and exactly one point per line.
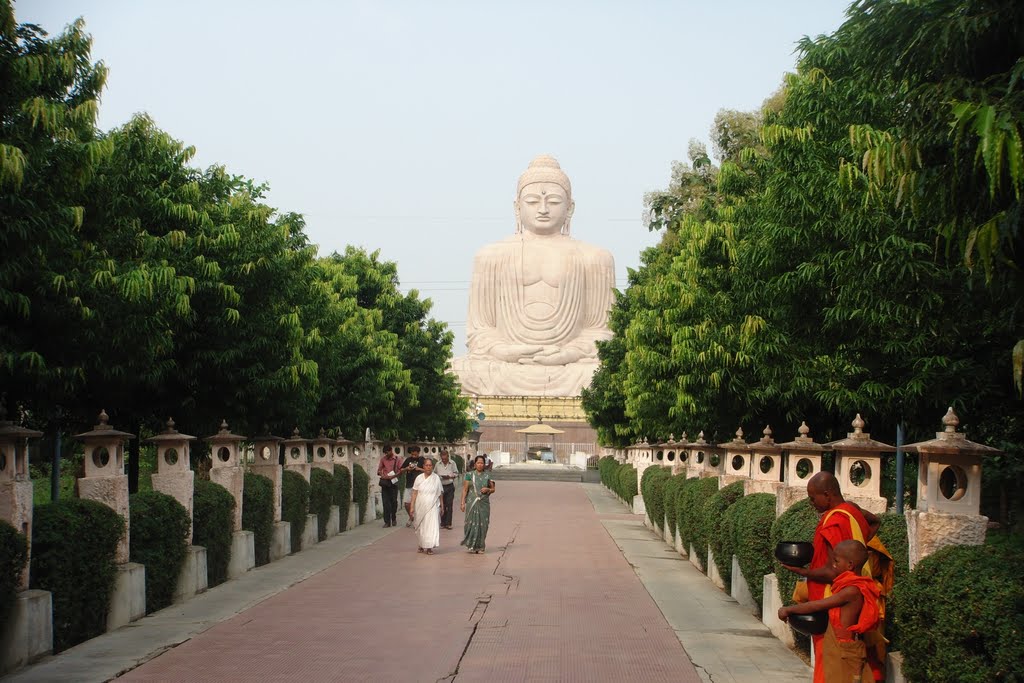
x=842, y=659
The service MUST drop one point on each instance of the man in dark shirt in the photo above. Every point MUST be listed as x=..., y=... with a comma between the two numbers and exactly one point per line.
x=412, y=467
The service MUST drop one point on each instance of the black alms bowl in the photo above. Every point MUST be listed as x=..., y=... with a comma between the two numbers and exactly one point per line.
x=794, y=553
x=810, y=624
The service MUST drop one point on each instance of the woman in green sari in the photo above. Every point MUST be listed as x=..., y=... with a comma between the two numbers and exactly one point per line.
x=477, y=488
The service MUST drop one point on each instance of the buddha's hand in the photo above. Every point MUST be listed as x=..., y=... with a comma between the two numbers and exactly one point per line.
x=514, y=353
x=553, y=355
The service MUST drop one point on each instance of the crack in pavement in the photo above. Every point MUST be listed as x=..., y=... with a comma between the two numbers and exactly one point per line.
x=510, y=580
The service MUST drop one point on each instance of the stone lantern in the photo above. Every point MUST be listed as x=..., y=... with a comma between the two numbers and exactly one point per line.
x=948, y=492
x=105, y=482
x=734, y=463
x=677, y=453
x=267, y=463
x=765, y=465
x=696, y=456
x=295, y=458
x=227, y=469
x=802, y=461
x=342, y=456
x=859, y=467
x=174, y=475
x=323, y=452
x=15, y=482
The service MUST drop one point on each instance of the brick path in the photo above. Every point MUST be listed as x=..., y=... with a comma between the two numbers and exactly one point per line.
x=552, y=600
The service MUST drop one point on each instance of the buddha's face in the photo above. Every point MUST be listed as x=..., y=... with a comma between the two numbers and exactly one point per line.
x=544, y=208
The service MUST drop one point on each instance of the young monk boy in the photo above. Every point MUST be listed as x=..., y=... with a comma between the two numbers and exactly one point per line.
x=852, y=612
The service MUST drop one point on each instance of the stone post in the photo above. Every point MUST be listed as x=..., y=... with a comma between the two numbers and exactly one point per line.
x=296, y=457
x=342, y=456
x=802, y=461
x=765, y=465
x=735, y=461
x=371, y=453
x=948, y=492
x=676, y=455
x=859, y=467
x=174, y=475
x=105, y=482
x=323, y=459
x=28, y=633
x=696, y=456
x=228, y=471
x=267, y=463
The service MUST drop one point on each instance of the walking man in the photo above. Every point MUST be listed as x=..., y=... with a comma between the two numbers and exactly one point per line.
x=388, y=469
x=412, y=467
x=449, y=472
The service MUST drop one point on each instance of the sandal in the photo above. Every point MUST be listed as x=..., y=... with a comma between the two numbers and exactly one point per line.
x=428, y=551
x=420, y=550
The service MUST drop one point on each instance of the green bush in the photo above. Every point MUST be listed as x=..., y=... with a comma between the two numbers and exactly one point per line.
x=608, y=467
x=13, y=555
x=960, y=615
x=683, y=510
x=719, y=538
x=460, y=462
x=652, y=485
x=213, y=515
x=627, y=484
x=360, y=490
x=258, y=514
x=892, y=531
x=295, y=505
x=160, y=526
x=321, y=498
x=672, y=488
x=74, y=542
x=692, y=528
x=795, y=524
x=342, y=494
x=751, y=516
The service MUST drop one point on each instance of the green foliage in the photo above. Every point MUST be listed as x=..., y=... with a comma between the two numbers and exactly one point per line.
x=673, y=487
x=321, y=497
x=795, y=524
x=719, y=537
x=460, y=462
x=360, y=490
x=751, y=516
x=652, y=487
x=258, y=514
x=13, y=555
x=160, y=526
x=213, y=514
x=74, y=542
x=605, y=467
x=960, y=618
x=295, y=505
x=691, y=522
x=625, y=479
x=892, y=531
x=342, y=494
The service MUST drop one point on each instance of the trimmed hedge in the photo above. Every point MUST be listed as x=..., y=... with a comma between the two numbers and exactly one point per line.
x=960, y=615
x=460, y=462
x=608, y=466
x=627, y=485
x=683, y=510
x=73, y=546
x=693, y=498
x=13, y=555
x=360, y=490
x=342, y=494
x=321, y=498
x=712, y=521
x=892, y=531
x=751, y=516
x=258, y=513
x=795, y=524
x=159, y=541
x=672, y=488
x=652, y=486
x=213, y=512
x=295, y=505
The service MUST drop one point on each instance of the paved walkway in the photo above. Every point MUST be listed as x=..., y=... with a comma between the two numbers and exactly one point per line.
x=557, y=597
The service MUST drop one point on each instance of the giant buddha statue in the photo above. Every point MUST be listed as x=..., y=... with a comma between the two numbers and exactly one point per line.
x=539, y=300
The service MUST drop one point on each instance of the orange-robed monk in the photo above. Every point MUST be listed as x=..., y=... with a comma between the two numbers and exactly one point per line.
x=852, y=613
x=840, y=521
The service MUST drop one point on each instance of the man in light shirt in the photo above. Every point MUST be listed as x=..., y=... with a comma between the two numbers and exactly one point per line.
x=449, y=473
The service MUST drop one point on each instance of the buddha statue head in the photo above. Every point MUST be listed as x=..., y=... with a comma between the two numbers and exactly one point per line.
x=543, y=204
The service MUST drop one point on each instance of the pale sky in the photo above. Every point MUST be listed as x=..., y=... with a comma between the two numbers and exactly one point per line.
x=403, y=125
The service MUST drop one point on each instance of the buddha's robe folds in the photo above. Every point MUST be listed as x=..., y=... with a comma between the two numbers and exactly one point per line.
x=548, y=292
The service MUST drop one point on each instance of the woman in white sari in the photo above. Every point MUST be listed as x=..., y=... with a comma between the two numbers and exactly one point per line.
x=426, y=507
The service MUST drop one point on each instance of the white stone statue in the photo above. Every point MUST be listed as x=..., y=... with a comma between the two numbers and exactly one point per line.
x=538, y=300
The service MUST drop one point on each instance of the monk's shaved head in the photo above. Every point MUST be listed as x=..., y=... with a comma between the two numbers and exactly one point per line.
x=823, y=482
x=854, y=552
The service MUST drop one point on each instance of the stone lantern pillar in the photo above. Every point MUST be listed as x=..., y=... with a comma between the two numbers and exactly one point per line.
x=343, y=456
x=765, y=465
x=28, y=633
x=105, y=482
x=323, y=459
x=734, y=464
x=859, y=467
x=295, y=456
x=174, y=475
x=675, y=453
x=267, y=463
x=696, y=456
x=948, y=492
x=228, y=471
x=802, y=461
x=370, y=456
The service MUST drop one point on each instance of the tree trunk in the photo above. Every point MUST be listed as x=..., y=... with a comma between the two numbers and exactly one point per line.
x=133, y=461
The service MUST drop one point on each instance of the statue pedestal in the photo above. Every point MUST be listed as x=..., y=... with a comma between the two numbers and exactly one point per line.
x=243, y=553
x=28, y=633
x=788, y=496
x=281, y=543
x=192, y=579
x=739, y=589
x=128, y=599
x=309, y=534
x=930, y=531
x=770, y=604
